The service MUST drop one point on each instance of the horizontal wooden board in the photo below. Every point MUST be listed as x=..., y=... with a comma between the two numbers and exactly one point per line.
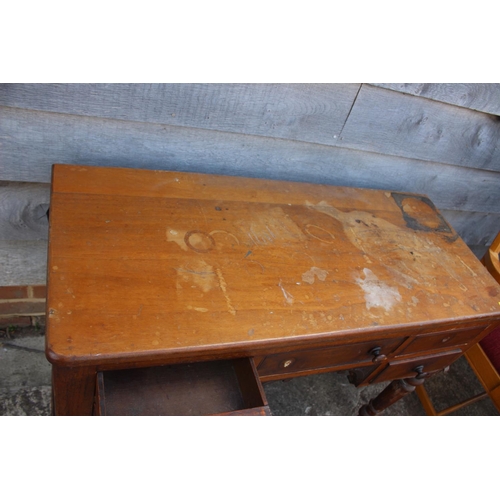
x=392, y=123
x=23, y=210
x=37, y=140
x=23, y=262
x=24, y=207
x=306, y=112
x=479, y=96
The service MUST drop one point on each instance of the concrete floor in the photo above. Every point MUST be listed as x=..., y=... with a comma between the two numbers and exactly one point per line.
x=25, y=386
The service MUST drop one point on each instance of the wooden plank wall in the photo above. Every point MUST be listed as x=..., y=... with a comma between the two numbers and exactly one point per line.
x=436, y=139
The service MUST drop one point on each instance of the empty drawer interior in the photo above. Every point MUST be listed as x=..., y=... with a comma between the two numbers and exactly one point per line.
x=208, y=388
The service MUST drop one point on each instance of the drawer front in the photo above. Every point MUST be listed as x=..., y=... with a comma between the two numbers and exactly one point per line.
x=409, y=368
x=442, y=340
x=315, y=359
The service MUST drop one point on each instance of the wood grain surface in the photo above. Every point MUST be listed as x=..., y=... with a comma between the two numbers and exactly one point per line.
x=145, y=262
x=23, y=211
x=301, y=111
x=23, y=217
x=23, y=262
x=392, y=123
x=479, y=96
x=93, y=141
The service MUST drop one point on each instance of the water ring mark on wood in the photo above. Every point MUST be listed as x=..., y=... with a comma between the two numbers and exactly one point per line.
x=199, y=241
x=319, y=233
x=227, y=233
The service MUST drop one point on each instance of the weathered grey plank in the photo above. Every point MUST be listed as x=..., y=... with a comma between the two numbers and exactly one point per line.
x=23, y=210
x=479, y=96
x=23, y=262
x=392, y=123
x=475, y=228
x=33, y=141
x=306, y=112
x=478, y=250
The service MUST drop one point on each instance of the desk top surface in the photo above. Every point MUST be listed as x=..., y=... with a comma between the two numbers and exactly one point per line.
x=159, y=263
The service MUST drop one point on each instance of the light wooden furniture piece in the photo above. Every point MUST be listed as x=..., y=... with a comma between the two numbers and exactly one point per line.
x=483, y=357
x=178, y=293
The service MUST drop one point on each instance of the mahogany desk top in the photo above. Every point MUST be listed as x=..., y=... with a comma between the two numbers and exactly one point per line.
x=159, y=267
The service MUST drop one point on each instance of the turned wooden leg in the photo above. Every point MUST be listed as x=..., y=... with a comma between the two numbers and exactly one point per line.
x=392, y=393
x=73, y=390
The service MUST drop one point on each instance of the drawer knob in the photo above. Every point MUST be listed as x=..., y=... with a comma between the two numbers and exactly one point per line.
x=377, y=357
x=287, y=363
x=420, y=371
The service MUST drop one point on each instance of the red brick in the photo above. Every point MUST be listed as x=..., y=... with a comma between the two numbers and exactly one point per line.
x=38, y=321
x=14, y=321
x=13, y=292
x=39, y=291
x=21, y=307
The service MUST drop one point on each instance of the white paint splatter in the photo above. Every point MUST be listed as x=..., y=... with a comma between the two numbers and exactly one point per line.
x=308, y=276
x=378, y=293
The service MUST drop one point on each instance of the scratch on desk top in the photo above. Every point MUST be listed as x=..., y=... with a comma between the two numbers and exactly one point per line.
x=288, y=296
x=223, y=287
x=472, y=272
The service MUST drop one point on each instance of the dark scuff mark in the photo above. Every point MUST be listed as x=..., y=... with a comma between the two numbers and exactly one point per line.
x=413, y=223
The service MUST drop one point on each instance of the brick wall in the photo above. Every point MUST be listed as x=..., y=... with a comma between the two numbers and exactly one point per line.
x=22, y=305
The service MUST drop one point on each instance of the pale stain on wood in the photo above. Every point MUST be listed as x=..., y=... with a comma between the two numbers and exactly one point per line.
x=196, y=273
x=378, y=293
x=370, y=233
x=270, y=224
x=314, y=272
x=177, y=237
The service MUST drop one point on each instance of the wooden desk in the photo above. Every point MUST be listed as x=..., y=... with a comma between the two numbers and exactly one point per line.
x=153, y=268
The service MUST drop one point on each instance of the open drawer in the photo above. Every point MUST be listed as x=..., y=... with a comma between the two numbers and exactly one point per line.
x=224, y=387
